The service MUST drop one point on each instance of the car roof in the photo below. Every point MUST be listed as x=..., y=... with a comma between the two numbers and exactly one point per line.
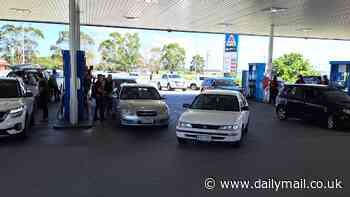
x=9, y=78
x=308, y=85
x=221, y=92
x=137, y=85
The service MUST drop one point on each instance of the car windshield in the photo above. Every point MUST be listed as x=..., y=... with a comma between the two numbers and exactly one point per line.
x=148, y=93
x=216, y=102
x=9, y=89
x=174, y=76
x=223, y=82
x=337, y=96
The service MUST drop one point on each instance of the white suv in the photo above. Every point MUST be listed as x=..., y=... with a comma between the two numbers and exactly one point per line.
x=171, y=82
x=214, y=115
x=16, y=108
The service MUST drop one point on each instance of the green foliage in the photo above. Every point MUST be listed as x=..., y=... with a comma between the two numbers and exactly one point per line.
x=197, y=64
x=13, y=39
x=120, y=53
x=47, y=62
x=289, y=66
x=172, y=56
x=87, y=44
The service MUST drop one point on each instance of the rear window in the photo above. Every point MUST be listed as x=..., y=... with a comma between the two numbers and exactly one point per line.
x=9, y=89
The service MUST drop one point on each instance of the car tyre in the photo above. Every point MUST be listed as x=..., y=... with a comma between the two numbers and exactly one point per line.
x=169, y=87
x=281, y=113
x=24, y=134
x=193, y=87
x=181, y=140
x=331, y=122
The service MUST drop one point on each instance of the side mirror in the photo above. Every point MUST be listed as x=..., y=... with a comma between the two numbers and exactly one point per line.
x=186, y=106
x=28, y=94
x=245, y=108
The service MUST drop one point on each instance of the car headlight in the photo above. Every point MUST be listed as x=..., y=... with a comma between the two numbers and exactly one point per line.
x=163, y=110
x=17, y=111
x=127, y=112
x=184, y=125
x=347, y=111
x=229, y=127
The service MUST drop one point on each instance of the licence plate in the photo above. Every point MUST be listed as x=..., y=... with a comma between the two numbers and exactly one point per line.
x=147, y=121
x=205, y=138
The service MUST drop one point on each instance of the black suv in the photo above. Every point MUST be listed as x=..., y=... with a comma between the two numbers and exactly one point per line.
x=314, y=102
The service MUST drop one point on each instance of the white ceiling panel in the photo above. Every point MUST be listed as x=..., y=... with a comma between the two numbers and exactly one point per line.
x=328, y=19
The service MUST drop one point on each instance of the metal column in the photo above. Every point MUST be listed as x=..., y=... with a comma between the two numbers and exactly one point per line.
x=268, y=73
x=74, y=43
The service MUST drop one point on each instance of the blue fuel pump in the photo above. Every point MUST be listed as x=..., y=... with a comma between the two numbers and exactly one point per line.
x=255, y=79
x=339, y=76
x=81, y=66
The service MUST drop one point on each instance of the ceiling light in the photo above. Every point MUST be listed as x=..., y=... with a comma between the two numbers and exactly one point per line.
x=149, y=1
x=21, y=10
x=274, y=9
x=132, y=18
x=306, y=29
x=225, y=24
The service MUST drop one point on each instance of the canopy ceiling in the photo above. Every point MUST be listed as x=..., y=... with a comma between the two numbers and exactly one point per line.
x=327, y=19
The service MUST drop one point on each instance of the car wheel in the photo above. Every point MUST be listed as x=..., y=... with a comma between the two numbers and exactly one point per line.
x=193, y=87
x=181, y=140
x=331, y=122
x=246, y=128
x=24, y=133
x=281, y=113
x=159, y=86
x=169, y=87
x=32, y=120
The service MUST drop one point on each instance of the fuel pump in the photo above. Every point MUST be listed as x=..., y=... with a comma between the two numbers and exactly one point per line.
x=255, y=81
x=339, y=76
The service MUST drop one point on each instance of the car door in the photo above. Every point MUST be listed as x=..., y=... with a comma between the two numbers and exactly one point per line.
x=295, y=104
x=245, y=110
x=164, y=81
x=314, y=105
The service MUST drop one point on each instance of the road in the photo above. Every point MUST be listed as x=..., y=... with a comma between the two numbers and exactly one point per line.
x=110, y=161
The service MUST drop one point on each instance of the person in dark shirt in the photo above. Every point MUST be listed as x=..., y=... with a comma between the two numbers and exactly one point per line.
x=43, y=96
x=300, y=80
x=98, y=93
x=108, y=93
x=325, y=80
x=273, y=89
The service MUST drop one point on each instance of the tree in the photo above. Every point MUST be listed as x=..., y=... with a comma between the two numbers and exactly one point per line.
x=172, y=56
x=122, y=52
x=197, y=64
x=87, y=44
x=289, y=66
x=16, y=41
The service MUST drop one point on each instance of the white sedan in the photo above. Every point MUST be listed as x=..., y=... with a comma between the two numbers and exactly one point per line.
x=141, y=105
x=214, y=115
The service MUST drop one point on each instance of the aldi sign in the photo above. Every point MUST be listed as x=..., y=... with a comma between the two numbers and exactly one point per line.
x=231, y=54
x=231, y=42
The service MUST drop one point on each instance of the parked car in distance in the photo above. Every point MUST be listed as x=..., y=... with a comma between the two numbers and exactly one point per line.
x=171, y=82
x=221, y=84
x=197, y=83
x=311, y=79
x=141, y=105
x=214, y=115
x=324, y=104
x=16, y=108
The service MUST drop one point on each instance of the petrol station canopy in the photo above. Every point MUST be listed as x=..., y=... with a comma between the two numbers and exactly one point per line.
x=327, y=19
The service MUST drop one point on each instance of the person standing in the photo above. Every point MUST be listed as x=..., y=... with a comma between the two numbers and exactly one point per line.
x=108, y=93
x=273, y=89
x=325, y=80
x=43, y=96
x=98, y=92
x=300, y=80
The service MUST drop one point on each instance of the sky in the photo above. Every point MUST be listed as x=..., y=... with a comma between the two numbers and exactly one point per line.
x=252, y=49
